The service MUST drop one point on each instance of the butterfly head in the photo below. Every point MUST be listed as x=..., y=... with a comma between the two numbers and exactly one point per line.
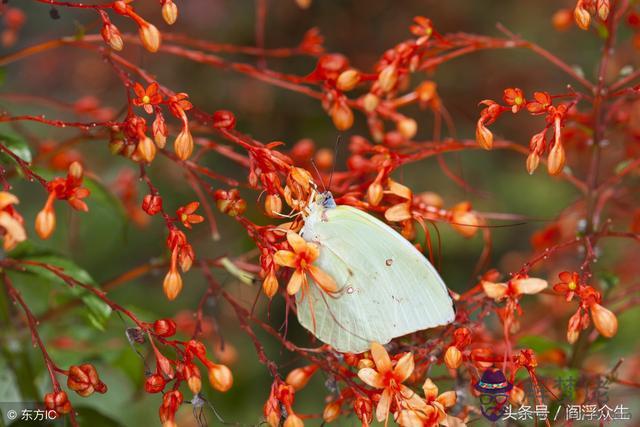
x=325, y=200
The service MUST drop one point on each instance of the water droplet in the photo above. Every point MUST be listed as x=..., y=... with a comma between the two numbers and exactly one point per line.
x=350, y=290
x=388, y=262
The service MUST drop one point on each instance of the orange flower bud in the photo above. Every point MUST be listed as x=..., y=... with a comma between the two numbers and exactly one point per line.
x=426, y=91
x=150, y=36
x=453, y=357
x=347, y=80
x=45, y=222
x=183, y=145
x=220, y=377
x=572, y=336
x=192, y=374
x=111, y=36
x=556, y=159
x=342, y=116
x=271, y=411
x=516, y=396
x=270, y=285
x=604, y=320
x=603, y=9
x=146, y=150
x=407, y=127
x=303, y=4
x=331, y=412
x=582, y=17
x=532, y=162
x=299, y=377
x=370, y=102
x=160, y=132
x=374, y=193
x=57, y=401
x=76, y=170
x=293, y=421
x=324, y=158
x=484, y=137
x=388, y=77
x=562, y=19
x=169, y=12
x=464, y=221
x=273, y=205
x=172, y=284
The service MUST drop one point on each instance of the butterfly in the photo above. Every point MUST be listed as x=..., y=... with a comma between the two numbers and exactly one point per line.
x=387, y=288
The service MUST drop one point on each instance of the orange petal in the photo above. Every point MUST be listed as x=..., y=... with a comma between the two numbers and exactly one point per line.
x=530, y=285
x=313, y=251
x=298, y=244
x=285, y=258
x=322, y=279
x=13, y=227
x=447, y=399
x=371, y=377
x=382, y=410
x=380, y=358
x=409, y=419
x=295, y=283
x=494, y=290
x=139, y=90
x=430, y=389
x=399, y=212
x=412, y=400
x=7, y=199
x=404, y=367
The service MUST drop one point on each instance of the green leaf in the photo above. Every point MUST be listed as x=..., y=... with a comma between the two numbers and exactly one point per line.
x=18, y=146
x=98, y=312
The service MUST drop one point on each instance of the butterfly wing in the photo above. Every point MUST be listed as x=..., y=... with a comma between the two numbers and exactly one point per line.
x=388, y=288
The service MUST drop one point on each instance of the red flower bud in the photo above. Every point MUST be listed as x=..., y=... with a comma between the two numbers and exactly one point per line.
x=152, y=204
x=154, y=383
x=84, y=380
x=164, y=327
x=224, y=119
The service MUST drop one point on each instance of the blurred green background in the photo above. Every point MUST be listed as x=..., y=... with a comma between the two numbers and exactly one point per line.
x=104, y=243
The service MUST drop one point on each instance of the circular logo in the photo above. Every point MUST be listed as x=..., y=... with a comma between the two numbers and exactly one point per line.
x=11, y=414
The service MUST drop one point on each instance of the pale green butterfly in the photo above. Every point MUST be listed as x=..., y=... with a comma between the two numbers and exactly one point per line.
x=387, y=287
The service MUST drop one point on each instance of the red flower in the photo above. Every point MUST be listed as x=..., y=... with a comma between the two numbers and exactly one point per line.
x=187, y=216
x=541, y=103
x=515, y=98
x=147, y=98
x=569, y=284
x=178, y=104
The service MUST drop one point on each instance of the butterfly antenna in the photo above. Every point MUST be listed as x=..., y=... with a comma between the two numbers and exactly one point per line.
x=335, y=156
x=315, y=167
